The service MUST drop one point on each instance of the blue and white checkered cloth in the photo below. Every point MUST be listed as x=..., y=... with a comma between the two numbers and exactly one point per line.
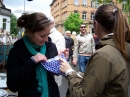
x=53, y=64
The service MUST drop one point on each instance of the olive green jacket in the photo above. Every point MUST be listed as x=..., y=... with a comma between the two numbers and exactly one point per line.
x=107, y=73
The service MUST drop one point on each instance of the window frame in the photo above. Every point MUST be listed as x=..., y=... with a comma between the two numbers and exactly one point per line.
x=84, y=15
x=92, y=15
x=84, y=3
x=4, y=23
x=76, y=2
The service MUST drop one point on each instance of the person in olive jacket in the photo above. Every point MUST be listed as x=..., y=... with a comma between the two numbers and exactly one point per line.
x=25, y=74
x=107, y=72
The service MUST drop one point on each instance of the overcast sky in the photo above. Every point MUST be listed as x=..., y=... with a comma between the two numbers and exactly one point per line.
x=35, y=5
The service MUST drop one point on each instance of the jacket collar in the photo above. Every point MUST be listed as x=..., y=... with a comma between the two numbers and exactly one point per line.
x=107, y=40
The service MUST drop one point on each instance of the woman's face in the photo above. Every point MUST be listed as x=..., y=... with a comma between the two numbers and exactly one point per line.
x=39, y=37
x=83, y=29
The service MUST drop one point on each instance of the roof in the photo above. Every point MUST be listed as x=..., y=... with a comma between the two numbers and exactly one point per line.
x=1, y=4
x=52, y=2
x=3, y=10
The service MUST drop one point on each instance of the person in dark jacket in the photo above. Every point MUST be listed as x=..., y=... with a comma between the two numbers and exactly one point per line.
x=25, y=73
x=69, y=44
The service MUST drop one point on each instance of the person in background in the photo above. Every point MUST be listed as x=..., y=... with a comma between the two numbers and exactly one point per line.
x=59, y=40
x=95, y=39
x=2, y=30
x=1, y=41
x=25, y=73
x=83, y=48
x=108, y=70
x=73, y=36
x=56, y=36
x=69, y=44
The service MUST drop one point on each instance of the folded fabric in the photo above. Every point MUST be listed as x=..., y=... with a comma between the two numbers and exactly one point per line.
x=53, y=64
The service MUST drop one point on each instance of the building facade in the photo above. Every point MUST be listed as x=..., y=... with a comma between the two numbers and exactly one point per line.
x=61, y=9
x=5, y=14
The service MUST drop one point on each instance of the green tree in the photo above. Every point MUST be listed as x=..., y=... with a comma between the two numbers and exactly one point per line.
x=13, y=25
x=73, y=22
x=125, y=5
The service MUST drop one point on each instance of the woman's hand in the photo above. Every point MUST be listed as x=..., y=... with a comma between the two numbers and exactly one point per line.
x=39, y=57
x=65, y=51
x=64, y=65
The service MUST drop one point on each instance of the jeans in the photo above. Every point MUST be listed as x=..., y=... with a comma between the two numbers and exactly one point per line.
x=82, y=61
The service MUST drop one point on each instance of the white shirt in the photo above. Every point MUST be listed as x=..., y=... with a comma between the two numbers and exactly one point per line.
x=57, y=38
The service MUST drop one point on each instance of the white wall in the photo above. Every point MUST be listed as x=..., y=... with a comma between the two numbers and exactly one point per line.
x=7, y=22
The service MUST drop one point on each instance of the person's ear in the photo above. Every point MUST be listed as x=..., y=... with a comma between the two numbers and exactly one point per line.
x=95, y=23
x=28, y=32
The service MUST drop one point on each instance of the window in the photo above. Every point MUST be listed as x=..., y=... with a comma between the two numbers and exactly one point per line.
x=94, y=4
x=58, y=6
x=84, y=2
x=93, y=31
x=75, y=11
x=76, y=2
x=66, y=14
x=65, y=2
x=62, y=4
x=84, y=15
x=4, y=23
x=92, y=16
x=124, y=5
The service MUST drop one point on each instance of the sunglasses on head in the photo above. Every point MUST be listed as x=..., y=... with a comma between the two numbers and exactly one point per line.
x=83, y=27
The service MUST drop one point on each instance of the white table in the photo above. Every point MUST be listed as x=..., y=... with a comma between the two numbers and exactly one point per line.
x=3, y=84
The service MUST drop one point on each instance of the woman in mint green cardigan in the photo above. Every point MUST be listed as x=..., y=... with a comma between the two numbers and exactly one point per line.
x=25, y=74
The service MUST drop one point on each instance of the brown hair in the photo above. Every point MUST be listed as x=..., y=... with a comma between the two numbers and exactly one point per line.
x=33, y=22
x=112, y=19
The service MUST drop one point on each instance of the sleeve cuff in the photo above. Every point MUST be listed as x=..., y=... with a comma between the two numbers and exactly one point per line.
x=33, y=59
x=69, y=71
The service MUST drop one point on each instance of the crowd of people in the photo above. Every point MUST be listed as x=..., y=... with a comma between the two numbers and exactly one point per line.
x=103, y=58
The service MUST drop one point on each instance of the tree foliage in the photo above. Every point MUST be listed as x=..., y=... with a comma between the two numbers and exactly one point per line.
x=125, y=5
x=73, y=22
x=103, y=1
x=13, y=25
